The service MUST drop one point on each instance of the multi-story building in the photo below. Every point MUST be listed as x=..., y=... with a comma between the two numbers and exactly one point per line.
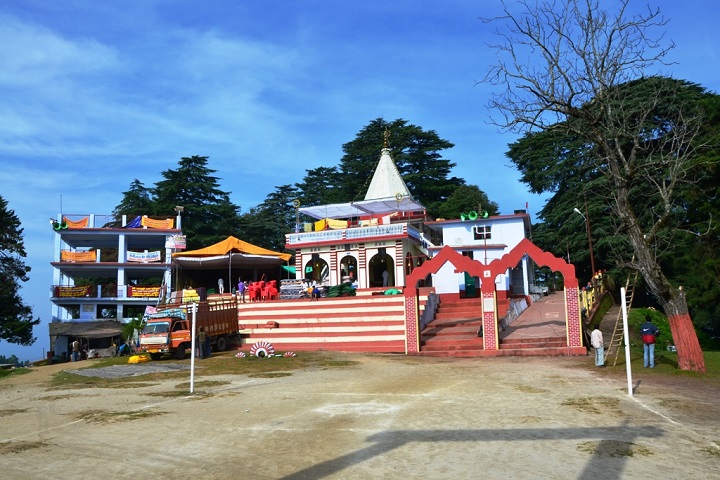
x=106, y=272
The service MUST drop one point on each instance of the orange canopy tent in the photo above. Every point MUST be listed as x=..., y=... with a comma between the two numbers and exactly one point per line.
x=230, y=252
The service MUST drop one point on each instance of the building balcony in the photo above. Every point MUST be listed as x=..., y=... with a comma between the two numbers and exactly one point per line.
x=86, y=293
x=352, y=235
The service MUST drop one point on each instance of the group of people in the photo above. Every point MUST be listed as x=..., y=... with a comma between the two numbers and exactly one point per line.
x=649, y=332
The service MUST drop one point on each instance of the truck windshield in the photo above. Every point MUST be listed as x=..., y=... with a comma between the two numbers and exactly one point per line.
x=156, y=327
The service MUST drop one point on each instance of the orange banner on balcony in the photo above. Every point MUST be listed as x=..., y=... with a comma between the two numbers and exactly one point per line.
x=152, y=223
x=152, y=292
x=69, y=256
x=82, y=223
x=72, y=291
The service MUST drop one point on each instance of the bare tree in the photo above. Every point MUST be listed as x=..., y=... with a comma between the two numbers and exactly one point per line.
x=568, y=64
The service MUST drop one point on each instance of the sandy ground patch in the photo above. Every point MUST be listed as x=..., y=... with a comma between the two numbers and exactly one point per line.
x=384, y=417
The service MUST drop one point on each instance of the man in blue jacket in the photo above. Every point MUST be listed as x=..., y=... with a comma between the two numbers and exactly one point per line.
x=649, y=332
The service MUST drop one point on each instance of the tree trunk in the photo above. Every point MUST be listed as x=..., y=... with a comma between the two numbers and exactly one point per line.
x=674, y=304
x=671, y=299
x=690, y=356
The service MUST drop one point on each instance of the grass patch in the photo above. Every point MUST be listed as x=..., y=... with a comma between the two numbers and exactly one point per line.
x=605, y=304
x=595, y=405
x=19, y=447
x=201, y=383
x=224, y=363
x=529, y=389
x=675, y=404
x=529, y=419
x=613, y=448
x=666, y=363
x=67, y=379
x=270, y=375
x=713, y=451
x=101, y=416
x=12, y=411
x=52, y=398
x=339, y=363
x=172, y=393
x=14, y=372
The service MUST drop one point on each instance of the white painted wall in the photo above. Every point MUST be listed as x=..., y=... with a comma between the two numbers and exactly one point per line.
x=506, y=233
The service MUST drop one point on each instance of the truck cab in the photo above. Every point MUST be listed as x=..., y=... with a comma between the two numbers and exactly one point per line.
x=166, y=335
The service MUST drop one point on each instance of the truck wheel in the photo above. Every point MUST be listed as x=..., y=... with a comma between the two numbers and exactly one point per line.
x=156, y=356
x=180, y=352
x=221, y=344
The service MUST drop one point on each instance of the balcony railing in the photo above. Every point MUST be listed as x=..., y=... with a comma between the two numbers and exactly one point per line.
x=352, y=234
x=92, y=220
x=156, y=257
x=105, y=291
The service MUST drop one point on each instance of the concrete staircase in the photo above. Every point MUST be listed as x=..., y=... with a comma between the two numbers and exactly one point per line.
x=454, y=333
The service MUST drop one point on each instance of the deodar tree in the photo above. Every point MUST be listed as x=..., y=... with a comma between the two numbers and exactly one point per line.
x=16, y=318
x=570, y=68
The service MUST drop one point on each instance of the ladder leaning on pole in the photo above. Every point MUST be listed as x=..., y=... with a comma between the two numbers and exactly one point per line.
x=617, y=336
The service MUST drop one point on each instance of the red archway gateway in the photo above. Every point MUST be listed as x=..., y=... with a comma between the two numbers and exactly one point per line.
x=490, y=272
x=412, y=314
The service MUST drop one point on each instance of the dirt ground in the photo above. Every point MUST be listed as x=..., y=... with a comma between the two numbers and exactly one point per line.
x=384, y=417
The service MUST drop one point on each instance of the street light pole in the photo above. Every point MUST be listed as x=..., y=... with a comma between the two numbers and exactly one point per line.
x=587, y=229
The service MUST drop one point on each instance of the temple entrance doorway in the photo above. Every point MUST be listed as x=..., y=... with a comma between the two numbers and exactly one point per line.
x=378, y=265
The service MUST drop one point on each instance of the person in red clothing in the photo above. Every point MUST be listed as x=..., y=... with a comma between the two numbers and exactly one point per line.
x=649, y=332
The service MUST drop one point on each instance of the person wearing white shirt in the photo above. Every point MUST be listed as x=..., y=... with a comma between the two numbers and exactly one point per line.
x=596, y=339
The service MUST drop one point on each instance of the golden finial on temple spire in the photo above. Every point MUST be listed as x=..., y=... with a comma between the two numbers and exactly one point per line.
x=386, y=143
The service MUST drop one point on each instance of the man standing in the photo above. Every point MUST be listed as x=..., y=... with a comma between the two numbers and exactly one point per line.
x=596, y=339
x=221, y=286
x=649, y=332
x=75, y=350
x=241, y=289
x=200, y=340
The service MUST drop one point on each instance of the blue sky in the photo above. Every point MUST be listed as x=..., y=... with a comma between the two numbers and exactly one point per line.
x=94, y=94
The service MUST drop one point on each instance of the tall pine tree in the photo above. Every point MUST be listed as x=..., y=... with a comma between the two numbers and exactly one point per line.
x=209, y=216
x=16, y=318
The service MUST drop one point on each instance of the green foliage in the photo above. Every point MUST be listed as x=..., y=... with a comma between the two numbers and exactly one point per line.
x=137, y=201
x=638, y=316
x=209, y=216
x=16, y=318
x=464, y=199
x=267, y=224
x=320, y=186
x=129, y=328
x=686, y=244
x=12, y=360
x=606, y=304
x=416, y=155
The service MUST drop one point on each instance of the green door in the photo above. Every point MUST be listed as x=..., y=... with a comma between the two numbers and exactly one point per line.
x=470, y=291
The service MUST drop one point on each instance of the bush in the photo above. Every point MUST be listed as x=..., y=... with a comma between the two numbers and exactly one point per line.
x=637, y=317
